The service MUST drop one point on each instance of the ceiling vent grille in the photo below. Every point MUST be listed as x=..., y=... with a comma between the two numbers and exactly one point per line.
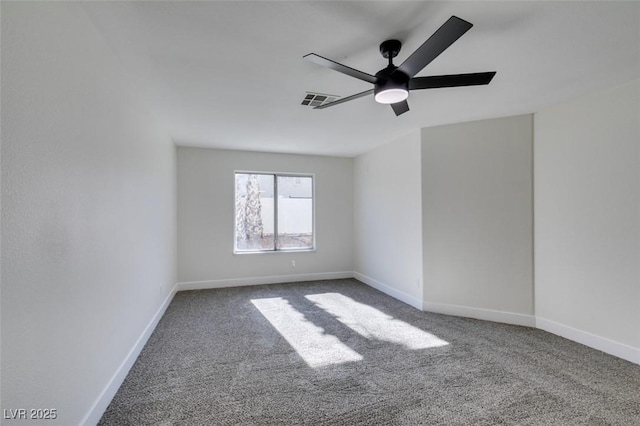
x=316, y=99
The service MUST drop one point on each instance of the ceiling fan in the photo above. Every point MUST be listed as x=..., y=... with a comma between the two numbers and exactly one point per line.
x=391, y=85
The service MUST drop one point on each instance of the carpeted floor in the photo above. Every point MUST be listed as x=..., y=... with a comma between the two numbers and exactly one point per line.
x=341, y=353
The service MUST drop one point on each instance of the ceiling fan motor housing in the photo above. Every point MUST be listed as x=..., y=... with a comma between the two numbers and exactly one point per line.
x=388, y=81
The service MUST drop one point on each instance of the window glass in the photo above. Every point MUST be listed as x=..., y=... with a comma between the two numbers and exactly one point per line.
x=295, y=212
x=273, y=212
x=254, y=212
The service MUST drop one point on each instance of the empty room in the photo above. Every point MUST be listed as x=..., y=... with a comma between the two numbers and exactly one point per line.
x=320, y=212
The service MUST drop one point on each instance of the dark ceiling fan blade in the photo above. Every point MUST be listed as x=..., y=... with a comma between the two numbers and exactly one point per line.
x=400, y=107
x=347, y=99
x=444, y=37
x=455, y=80
x=328, y=63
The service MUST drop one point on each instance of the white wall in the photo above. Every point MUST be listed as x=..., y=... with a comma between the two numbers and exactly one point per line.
x=477, y=219
x=387, y=224
x=206, y=219
x=294, y=215
x=587, y=219
x=88, y=219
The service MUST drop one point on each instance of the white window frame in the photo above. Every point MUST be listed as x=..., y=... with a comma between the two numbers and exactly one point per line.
x=275, y=212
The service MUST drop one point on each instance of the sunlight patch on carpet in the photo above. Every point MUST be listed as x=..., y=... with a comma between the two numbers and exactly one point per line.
x=374, y=324
x=316, y=348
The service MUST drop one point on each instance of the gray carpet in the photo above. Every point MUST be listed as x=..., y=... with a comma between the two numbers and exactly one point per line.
x=341, y=353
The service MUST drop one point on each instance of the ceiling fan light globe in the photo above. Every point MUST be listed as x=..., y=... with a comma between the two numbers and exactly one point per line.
x=391, y=95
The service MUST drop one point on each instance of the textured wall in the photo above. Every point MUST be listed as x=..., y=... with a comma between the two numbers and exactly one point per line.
x=388, y=225
x=88, y=212
x=587, y=214
x=477, y=216
x=206, y=216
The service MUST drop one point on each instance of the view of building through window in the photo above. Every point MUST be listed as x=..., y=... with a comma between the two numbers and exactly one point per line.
x=273, y=212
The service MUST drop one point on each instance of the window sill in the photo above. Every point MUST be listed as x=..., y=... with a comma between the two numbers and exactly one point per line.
x=275, y=251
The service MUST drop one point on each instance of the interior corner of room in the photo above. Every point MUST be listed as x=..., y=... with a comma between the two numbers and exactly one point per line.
x=530, y=217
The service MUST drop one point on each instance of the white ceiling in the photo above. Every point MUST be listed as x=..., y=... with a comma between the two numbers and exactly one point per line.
x=231, y=74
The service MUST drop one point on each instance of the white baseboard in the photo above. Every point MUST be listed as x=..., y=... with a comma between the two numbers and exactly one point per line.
x=100, y=405
x=588, y=339
x=396, y=294
x=275, y=279
x=482, y=314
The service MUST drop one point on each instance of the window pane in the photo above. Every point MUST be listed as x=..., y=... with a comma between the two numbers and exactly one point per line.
x=295, y=212
x=254, y=212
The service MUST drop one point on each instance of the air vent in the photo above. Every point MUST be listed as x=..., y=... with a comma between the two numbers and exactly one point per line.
x=316, y=99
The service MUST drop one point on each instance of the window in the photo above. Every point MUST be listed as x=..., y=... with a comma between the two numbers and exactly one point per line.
x=274, y=212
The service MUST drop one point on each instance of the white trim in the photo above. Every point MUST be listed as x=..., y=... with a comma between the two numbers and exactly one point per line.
x=275, y=211
x=385, y=288
x=275, y=279
x=600, y=343
x=102, y=402
x=482, y=314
